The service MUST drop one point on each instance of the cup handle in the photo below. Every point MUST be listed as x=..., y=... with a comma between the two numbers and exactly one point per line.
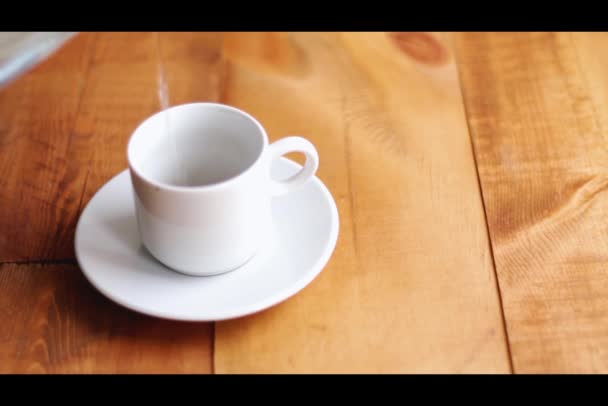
x=285, y=146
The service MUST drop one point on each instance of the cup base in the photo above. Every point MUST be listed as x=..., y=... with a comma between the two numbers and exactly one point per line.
x=201, y=273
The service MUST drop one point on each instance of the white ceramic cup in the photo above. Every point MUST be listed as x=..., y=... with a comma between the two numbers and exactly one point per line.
x=216, y=221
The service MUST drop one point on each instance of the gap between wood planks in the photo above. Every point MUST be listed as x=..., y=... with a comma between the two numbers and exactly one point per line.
x=485, y=213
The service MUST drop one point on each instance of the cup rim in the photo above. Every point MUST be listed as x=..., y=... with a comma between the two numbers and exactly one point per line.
x=211, y=186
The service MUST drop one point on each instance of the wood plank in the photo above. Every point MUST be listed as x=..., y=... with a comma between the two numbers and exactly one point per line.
x=64, y=127
x=411, y=286
x=41, y=183
x=122, y=91
x=53, y=321
x=88, y=145
x=536, y=105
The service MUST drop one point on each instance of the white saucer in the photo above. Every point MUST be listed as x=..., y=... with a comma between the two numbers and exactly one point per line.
x=112, y=258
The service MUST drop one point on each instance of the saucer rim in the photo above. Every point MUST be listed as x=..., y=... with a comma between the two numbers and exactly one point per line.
x=278, y=297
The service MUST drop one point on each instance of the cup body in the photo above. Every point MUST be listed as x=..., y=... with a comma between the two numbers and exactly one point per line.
x=217, y=222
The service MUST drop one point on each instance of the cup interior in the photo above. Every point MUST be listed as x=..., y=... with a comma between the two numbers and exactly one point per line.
x=195, y=145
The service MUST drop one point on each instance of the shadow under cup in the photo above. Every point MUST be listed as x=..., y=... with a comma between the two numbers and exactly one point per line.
x=199, y=175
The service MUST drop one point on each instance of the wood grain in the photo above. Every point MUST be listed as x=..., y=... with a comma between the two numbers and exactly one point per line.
x=122, y=91
x=41, y=182
x=60, y=145
x=537, y=109
x=53, y=321
x=411, y=286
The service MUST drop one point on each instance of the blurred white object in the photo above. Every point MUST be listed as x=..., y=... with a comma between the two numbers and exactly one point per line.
x=21, y=51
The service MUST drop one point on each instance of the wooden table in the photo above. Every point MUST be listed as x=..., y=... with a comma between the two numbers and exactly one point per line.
x=469, y=170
